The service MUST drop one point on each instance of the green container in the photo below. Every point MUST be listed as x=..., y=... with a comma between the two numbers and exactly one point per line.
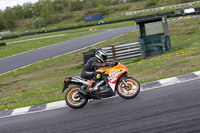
x=155, y=44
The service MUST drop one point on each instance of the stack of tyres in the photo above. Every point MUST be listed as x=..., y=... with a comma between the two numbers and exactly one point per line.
x=88, y=55
x=3, y=44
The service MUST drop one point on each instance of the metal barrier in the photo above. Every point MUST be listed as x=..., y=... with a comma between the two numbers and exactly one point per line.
x=123, y=51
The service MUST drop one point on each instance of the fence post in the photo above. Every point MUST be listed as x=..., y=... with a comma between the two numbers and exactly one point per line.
x=114, y=54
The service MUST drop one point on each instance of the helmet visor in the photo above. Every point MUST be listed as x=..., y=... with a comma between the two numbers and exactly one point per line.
x=104, y=57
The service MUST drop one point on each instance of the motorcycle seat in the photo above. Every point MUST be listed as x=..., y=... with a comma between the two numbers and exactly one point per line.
x=78, y=77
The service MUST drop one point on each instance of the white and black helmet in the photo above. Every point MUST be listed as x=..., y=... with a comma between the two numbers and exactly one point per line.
x=100, y=54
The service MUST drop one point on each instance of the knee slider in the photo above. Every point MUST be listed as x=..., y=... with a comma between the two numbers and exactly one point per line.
x=98, y=75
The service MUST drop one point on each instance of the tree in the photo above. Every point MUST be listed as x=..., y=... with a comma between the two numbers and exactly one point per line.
x=105, y=2
x=88, y=5
x=75, y=5
x=115, y=2
x=36, y=9
x=1, y=21
x=89, y=9
x=59, y=5
x=46, y=9
x=9, y=18
x=28, y=10
x=18, y=12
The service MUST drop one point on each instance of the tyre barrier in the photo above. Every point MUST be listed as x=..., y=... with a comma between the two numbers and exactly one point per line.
x=3, y=44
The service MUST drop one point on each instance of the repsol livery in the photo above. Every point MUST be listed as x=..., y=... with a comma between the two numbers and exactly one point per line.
x=112, y=80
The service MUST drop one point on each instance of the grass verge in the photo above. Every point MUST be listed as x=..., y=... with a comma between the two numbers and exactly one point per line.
x=15, y=48
x=42, y=82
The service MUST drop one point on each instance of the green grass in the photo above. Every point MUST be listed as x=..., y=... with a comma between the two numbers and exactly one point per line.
x=42, y=82
x=15, y=48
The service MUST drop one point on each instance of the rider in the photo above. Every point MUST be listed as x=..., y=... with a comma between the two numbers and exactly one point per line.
x=92, y=65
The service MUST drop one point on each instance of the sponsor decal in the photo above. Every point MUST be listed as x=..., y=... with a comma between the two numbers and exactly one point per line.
x=114, y=76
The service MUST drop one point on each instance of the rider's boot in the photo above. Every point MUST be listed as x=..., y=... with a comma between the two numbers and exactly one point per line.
x=90, y=86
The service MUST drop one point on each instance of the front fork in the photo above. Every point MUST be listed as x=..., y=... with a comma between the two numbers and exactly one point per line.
x=124, y=81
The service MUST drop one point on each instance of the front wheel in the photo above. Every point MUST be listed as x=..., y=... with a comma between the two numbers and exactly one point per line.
x=130, y=91
x=73, y=99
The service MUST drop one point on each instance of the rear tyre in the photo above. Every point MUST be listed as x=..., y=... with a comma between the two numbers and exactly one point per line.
x=73, y=99
x=131, y=91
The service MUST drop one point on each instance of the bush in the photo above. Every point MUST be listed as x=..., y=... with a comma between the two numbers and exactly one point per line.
x=53, y=18
x=39, y=22
x=80, y=17
x=168, y=2
x=123, y=7
x=102, y=9
x=89, y=12
x=68, y=15
x=151, y=2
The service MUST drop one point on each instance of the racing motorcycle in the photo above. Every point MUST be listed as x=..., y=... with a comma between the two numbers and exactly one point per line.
x=112, y=80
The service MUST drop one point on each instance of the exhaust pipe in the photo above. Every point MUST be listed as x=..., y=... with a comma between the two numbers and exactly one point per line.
x=86, y=95
x=82, y=93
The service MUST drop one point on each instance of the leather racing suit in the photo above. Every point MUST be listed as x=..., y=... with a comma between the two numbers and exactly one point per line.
x=90, y=67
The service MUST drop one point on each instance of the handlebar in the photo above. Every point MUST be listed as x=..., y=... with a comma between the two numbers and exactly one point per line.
x=114, y=64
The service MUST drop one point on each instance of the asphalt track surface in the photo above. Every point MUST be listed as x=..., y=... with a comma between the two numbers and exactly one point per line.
x=30, y=57
x=170, y=109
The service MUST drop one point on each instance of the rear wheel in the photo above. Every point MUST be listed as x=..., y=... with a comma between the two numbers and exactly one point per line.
x=130, y=91
x=73, y=99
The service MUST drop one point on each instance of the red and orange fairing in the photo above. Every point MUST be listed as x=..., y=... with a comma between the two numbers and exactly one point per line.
x=114, y=73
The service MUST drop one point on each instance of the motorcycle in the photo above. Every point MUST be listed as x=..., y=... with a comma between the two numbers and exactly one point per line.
x=113, y=80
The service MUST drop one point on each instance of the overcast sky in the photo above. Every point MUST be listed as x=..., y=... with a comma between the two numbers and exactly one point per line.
x=11, y=3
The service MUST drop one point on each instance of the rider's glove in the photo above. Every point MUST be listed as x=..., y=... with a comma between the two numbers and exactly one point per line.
x=105, y=64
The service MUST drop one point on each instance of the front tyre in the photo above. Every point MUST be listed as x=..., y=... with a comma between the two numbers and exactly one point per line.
x=130, y=91
x=73, y=99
